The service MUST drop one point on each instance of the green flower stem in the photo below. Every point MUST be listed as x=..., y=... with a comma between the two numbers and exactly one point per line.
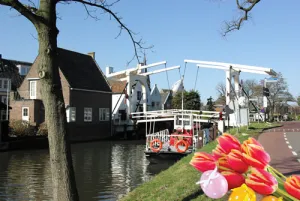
x=277, y=172
x=285, y=194
x=278, y=178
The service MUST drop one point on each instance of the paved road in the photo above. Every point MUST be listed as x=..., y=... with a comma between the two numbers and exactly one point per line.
x=283, y=145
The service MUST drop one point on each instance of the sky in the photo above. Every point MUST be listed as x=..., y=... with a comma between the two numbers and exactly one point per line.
x=178, y=30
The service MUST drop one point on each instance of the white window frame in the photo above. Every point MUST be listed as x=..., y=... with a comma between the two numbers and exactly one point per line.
x=5, y=84
x=104, y=114
x=23, y=119
x=88, y=114
x=71, y=114
x=31, y=94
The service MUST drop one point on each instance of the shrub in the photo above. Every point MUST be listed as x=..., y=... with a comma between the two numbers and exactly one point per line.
x=21, y=128
x=42, y=130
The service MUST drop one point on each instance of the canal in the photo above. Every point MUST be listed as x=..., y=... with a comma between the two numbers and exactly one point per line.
x=104, y=170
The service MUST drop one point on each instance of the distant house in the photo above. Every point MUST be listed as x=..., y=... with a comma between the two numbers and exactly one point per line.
x=155, y=99
x=10, y=80
x=86, y=93
x=166, y=99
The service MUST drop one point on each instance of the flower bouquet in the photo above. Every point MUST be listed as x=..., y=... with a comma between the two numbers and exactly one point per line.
x=244, y=170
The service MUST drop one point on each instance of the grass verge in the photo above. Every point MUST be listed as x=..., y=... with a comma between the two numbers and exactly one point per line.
x=178, y=182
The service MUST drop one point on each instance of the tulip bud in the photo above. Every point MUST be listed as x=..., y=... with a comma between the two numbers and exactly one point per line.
x=218, y=152
x=223, y=165
x=262, y=181
x=236, y=161
x=228, y=142
x=203, y=161
x=256, y=156
x=292, y=186
x=234, y=179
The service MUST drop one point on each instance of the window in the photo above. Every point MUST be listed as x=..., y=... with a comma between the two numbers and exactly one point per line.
x=24, y=70
x=139, y=95
x=5, y=82
x=25, y=113
x=71, y=114
x=32, y=89
x=88, y=114
x=104, y=114
x=153, y=104
x=0, y=83
x=157, y=104
x=4, y=100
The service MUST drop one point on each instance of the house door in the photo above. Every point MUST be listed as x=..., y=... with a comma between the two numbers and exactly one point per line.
x=32, y=89
x=25, y=113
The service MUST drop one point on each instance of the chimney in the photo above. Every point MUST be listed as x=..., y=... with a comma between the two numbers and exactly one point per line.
x=109, y=70
x=92, y=54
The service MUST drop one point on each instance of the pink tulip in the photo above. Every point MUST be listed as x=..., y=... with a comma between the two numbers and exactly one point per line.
x=262, y=181
x=228, y=142
x=236, y=161
x=203, y=161
x=234, y=179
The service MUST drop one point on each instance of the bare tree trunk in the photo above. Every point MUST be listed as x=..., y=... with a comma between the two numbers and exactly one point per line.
x=64, y=185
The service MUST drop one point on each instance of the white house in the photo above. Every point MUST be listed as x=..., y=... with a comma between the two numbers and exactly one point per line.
x=132, y=91
x=155, y=99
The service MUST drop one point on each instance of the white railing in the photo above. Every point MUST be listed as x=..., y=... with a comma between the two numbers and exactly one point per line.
x=163, y=136
x=169, y=115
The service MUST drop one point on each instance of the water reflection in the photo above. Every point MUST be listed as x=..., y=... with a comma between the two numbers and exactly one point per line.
x=104, y=171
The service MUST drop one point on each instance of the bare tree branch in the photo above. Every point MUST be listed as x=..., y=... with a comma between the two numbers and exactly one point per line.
x=26, y=10
x=221, y=89
x=137, y=44
x=246, y=6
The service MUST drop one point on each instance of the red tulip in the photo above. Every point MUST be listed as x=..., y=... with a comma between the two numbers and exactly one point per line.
x=228, y=142
x=255, y=156
x=262, y=181
x=236, y=161
x=251, y=140
x=218, y=152
x=292, y=186
x=234, y=179
x=223, y=165
x=203, y=161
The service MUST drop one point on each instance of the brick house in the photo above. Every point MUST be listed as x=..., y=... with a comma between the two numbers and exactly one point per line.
x=10, y=80
x=86, y=92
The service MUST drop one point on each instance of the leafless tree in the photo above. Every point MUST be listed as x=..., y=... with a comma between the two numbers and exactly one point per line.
x=278, y=93
x=221, y=89
x=44, y=17
x=252, y=88
x=245, y=6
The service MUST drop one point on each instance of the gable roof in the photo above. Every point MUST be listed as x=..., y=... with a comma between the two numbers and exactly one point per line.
x=117, y=86
x=81, y=71
x=155, y=88
x=164, y=94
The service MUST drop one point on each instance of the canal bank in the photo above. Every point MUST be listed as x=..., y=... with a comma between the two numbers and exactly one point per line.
x=179, y=181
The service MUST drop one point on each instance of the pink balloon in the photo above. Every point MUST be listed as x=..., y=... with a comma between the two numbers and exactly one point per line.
x=213, y=184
